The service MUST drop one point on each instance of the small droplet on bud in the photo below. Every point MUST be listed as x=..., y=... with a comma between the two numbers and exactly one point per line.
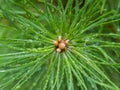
x=62, y=45
x=58, y=50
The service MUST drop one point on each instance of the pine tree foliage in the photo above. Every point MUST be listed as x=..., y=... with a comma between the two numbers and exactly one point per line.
x=28, y=59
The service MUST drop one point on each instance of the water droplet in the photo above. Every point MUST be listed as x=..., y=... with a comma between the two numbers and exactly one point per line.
x=34, y=84
x=18, y=87
x=78, y=84
x=118, y=29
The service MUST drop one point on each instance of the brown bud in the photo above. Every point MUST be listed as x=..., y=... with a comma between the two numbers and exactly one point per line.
x=58, y=50
x=66, y=41
x=55, y=43
x=59, y=39
x=62, y=45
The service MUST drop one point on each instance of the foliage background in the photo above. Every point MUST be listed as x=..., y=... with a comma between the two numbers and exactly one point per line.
x=27, y=56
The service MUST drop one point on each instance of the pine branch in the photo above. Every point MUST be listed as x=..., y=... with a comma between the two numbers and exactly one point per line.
x=59, y=45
